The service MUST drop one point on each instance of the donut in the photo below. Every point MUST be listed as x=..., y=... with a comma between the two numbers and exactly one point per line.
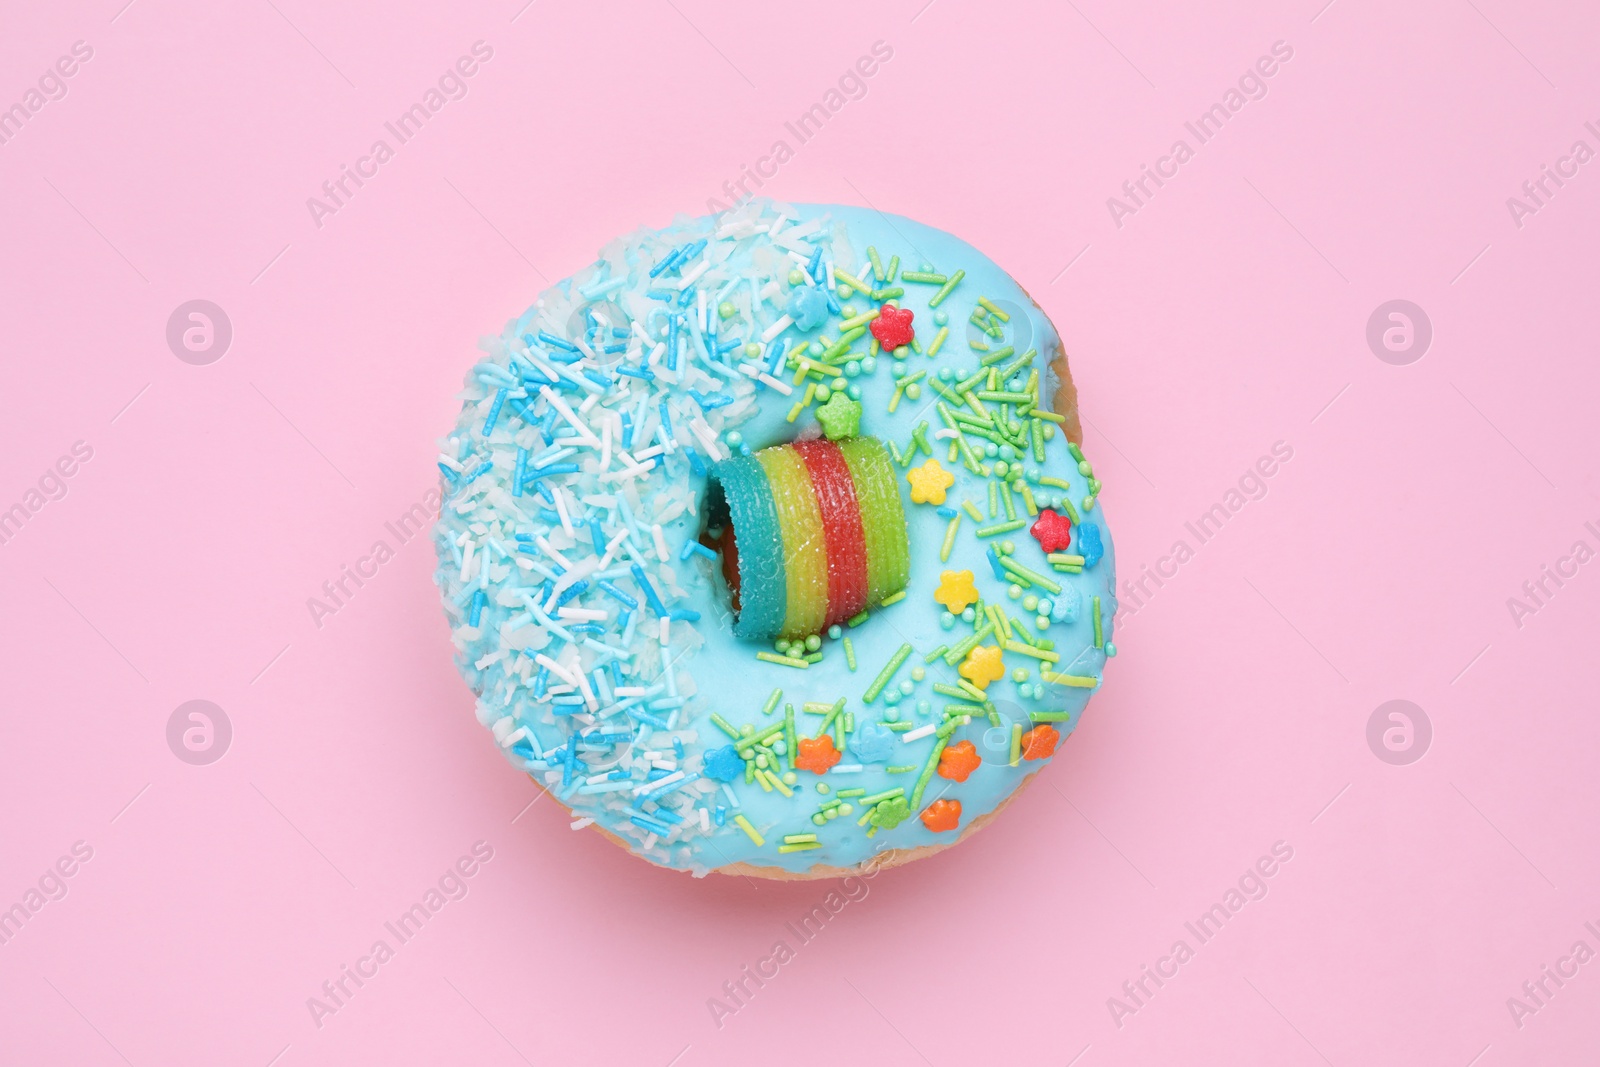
x=768, y=545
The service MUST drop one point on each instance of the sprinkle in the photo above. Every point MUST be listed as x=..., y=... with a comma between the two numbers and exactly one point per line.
x=1016, y=742
x=892, y=598
x=1077, y=681
x=984, y=303
x=1000, y=527
x=1029, y=650
x=851, y=282
x=750, y=831
x=1099, y=637
x=924, y=277
x=946, y=288
x=772, y=702
x=849, y=653
x=782, y=661
x=919, y=733
x=938, y=341
x=886, y=674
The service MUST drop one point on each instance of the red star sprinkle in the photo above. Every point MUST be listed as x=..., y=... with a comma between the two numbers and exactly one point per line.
x=1053, y=531
x=892, y=327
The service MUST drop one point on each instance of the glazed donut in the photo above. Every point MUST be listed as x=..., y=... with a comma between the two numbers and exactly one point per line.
x=768, y=544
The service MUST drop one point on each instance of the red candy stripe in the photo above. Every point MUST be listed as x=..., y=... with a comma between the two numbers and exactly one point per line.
x=841, y=526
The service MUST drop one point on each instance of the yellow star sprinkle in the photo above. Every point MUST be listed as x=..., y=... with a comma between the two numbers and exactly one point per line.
x=983, y=666
x=956, y=591
x=928, y=482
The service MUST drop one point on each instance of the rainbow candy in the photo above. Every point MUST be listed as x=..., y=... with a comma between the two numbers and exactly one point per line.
x=821, y=534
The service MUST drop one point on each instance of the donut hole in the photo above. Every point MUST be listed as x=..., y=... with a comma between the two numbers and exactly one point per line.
x=718, y=535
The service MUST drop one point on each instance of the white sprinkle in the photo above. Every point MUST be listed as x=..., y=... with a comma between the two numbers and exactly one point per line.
x=631, y=690
x=566, y=413
x=579, y=824
x=659, y=783
x=783, y=323
x=666, y=634
x=694, y=275
x=605, y=444
x=466, y=561
x=705, y=821
x=555, y=668
x=782, y=387
x=560, y=498
x=661, y=542
x=919, y=733
x=452, y=464
x=581, y=614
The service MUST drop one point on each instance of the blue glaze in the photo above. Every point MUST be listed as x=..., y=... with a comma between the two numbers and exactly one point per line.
x=660, y=699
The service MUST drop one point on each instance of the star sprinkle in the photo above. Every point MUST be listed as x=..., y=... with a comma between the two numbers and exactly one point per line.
x=808, y=308
x=840, y=417
x=956, y=591
x=873, y=743
x=958, y=760
x=892, y=327
x=1040, y=742
x=942, y=815
x=724, y=764
x=982, y=666
x=817, y=754
x=891, y=813
x=928, y=482
x=1052, y=530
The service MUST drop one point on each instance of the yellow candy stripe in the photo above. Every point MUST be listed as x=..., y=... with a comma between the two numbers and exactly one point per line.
x=805, y=552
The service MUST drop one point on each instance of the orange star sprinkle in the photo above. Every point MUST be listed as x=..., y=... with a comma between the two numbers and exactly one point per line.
x=956, y=591
x=958, y=760
x=817, y=754
x=982, y=666
x=1040, y=742
x=942, y=815
x=928, y=482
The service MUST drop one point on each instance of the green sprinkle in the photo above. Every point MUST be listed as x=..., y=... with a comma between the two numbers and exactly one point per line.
x=723, y=725
x=877, y=264
x=851, y=281
x=788, y=732
x=772, y=701
x=1065, y=557
x=849, y=722
x=783, y=661
x=925, y=277
x=935, y=654
x=901, y=770
x=888, y=672
x=1005, y=498
x=972, y=510
x=849, y=654
x=833, y=713
x=949, y=690
x=888, y=294
x=994, y=503
x=898, y=791
x=1034, y=577
x=814, y=657
x=1016, y=743
x=994, y=529
x=750, y=831
x=967, y=644
x=859, y=320
x=846, y=794
x=897, y=727
x=1077, y=681
x=983, y=302
x=1040, y=413
x=928, y=769
x=946, y=288
x=1048, y=716
x=977, y=346
x=1099, y=637
x=938, y=341
x=803, y=847
x=798, y=839
x=892, y=598
x=777, y=783
x=857, y=620
x=813, y=707
x=1029, y=650
x=949, y=538
x=997, y=355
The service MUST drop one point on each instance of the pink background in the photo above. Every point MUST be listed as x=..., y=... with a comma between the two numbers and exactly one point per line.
x=1227, y=314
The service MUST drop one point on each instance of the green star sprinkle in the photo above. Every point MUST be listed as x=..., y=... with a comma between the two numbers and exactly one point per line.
x=840, y=417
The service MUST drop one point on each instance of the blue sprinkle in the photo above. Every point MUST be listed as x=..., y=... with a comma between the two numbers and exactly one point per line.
x=641, y=372
x=618, y=595
x=661, y=294
x=596, y=377
x=666, y=418
x=521, y=471
x=649, y=590
x=946, y=512
x=597, y=536
x=627, y=418
x=684, y=615
x=1089, y=546
x=677, y=747
x=571, y=591
x=724, y=763
x=479, y=599
x=560, y=342
x=666, y=264
x=494, y=411
x=449, y=474
x=994, y=565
